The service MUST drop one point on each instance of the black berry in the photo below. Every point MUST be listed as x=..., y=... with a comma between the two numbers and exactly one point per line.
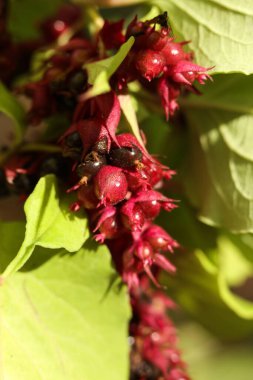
x=91, y=165
x=125, y=157
x=77, y=82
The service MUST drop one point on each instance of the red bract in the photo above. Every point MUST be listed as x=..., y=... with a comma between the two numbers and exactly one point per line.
x=66, y=17
x=112, y=35
x=169, y=93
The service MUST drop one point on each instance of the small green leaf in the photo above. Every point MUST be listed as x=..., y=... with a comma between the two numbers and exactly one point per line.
x=128, y=110
x=12, y=235
x=49, y=224
x=65, y=319
x=220, y=32
x=219, y=167
x=100, y=72
x=12, y=109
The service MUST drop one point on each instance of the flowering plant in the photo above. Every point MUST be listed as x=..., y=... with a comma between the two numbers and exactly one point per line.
x=125, y=151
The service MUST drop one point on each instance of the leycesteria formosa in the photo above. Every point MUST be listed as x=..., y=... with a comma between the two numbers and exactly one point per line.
x=110, y=172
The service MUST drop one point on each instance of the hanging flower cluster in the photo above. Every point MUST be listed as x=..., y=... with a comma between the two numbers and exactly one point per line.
x=114, y=178
x=153, y=338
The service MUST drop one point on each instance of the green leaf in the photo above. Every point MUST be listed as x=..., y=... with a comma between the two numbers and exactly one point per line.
x=221, y=31
x=24, y=16
x=220, y=161
x=214, y=275
x=13, y=110
x=12, y=235
x=211, y=284
x=65, y=319
x=208, y=359
x=128, y=110
x=49, y=224
x=197, y=288
x=100, y=72
x=234, y=270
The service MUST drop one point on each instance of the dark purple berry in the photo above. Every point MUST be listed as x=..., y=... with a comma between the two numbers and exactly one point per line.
x=73, y=140
x=73, y=146
x=54, y=165
x=125, y=157
x=77, y=82
x=22, y=184
x=91, y=165
x=101, y=146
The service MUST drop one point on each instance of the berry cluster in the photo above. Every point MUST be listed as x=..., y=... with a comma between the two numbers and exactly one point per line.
x=113, y=176
x=22, y=171
x=156, y=58
x=153, y=339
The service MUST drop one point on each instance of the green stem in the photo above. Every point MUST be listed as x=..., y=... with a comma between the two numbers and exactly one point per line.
x=40, y=147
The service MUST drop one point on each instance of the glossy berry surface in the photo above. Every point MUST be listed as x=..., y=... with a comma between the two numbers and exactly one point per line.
x=149, y=63
x=101, y=146
x=133, y=220
x=110, y=185
x=73, y=140
x=125, y=157
x=151, y=209
x=91, y=165
x=110, y=228
x=173, y=53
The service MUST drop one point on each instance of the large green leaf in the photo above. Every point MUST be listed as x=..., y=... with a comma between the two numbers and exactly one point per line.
x=200, y=287
x=100, y=72
x=49, y=224
x=24, y=16
x=213, y=270
x=220, y=162
x=13, y=110
x=12, y=235
x=64, y=319
x=208, y=359
x=220, y=31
